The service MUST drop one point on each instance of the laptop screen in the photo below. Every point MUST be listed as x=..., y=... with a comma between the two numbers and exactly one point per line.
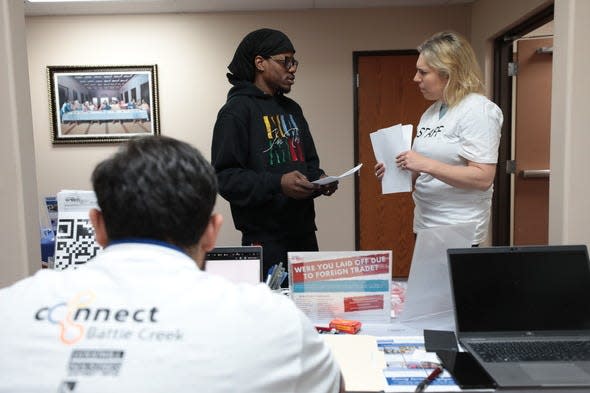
x=237, y=264
x=531, y=288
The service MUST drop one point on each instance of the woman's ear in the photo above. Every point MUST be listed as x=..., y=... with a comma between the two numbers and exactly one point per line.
x=100, y=230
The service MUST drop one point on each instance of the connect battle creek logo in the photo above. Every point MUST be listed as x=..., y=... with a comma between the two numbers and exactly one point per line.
x=62, y=314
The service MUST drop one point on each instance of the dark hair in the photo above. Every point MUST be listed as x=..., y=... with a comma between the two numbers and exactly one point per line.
x=157, y=188
x=261, y=42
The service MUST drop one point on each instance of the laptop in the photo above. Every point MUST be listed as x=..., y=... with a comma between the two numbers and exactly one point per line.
x=509, y=299
x=237, y=264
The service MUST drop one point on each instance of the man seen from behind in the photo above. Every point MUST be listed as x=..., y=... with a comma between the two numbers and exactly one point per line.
x=143, y=316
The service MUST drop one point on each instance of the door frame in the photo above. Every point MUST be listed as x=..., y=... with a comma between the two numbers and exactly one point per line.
x=502, y=93
x=356, y=55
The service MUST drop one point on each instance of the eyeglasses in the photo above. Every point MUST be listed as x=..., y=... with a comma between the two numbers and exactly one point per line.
x=287, y=61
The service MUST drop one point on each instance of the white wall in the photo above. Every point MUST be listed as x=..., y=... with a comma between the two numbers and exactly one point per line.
x=192, y=52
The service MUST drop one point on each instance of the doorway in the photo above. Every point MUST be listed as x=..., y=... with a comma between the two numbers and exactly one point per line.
x=532, y=135
x=516, y=178
x=385, y=95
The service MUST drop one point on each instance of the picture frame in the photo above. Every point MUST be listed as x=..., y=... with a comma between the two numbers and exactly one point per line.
x=102, y=104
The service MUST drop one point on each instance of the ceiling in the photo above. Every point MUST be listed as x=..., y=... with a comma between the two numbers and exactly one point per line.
x=106, y=81
x=73, y=7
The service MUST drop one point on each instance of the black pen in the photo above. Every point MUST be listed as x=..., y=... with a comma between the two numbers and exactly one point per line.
x=431, y=377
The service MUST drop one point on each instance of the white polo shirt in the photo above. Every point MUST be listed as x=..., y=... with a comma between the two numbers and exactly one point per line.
x=144, y=318
x=468, y=131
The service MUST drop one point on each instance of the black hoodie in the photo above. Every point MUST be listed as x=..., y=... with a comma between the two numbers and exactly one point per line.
x=257, y=138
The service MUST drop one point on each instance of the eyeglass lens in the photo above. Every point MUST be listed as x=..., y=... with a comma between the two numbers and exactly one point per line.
x=288, y=61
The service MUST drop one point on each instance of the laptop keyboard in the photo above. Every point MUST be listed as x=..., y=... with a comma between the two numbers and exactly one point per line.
x=520, y=351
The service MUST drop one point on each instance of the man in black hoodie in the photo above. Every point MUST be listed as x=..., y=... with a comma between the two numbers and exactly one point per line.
x=263, y=152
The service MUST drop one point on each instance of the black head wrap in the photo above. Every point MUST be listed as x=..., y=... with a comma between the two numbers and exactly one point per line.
x=263, y=42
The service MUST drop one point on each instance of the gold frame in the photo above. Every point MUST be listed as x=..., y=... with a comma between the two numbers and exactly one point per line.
x=73, y=122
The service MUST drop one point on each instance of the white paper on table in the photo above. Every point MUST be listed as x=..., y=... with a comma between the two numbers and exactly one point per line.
x=387, y=144
x=332, y=179
x=360, y=360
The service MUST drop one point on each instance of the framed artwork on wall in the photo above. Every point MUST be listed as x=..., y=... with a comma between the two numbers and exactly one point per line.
x=102, y=104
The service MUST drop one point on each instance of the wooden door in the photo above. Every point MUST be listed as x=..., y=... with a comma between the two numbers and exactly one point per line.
x=386, y=95
x=532, y=139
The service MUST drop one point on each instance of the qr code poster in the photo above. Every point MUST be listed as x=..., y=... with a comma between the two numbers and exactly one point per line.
x=75, y=243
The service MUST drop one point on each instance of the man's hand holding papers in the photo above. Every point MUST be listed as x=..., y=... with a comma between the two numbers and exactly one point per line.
x=332, y=179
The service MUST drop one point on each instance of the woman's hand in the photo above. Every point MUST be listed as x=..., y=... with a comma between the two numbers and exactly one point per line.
x=379, y=170
x=413, y=161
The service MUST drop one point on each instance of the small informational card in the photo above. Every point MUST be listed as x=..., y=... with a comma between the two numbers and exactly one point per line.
x=342, y=284
x=332, y=179
x=75, y=243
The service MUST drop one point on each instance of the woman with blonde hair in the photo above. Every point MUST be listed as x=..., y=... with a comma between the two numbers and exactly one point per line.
x=455, y=152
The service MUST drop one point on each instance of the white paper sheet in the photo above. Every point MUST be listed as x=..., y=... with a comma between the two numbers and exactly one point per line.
x=387, y=144
x=360, y=360
x=428, y=293
x=332, y=179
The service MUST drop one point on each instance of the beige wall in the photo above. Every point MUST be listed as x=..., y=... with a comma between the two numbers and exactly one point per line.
x=19, y=227
x=192, y=52
x=569, y=214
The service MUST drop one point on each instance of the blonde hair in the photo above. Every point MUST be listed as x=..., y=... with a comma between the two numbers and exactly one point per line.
x=449, y=54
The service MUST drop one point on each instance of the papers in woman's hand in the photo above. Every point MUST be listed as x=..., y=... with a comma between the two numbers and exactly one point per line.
x=387, y=144
x=332, y=179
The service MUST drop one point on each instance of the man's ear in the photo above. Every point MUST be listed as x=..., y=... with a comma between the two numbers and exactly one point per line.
x=259, y=63
x=100, y=230
x=211, y=232
x=207, y=241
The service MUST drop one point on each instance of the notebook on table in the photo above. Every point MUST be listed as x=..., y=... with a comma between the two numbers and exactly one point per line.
x=524, y=312
x=237, y=264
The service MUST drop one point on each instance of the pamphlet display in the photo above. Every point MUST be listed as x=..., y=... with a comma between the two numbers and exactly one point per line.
x=75, y=243
x=342, y=284
x=408, y=363
x=48, y=228
x=51, y=209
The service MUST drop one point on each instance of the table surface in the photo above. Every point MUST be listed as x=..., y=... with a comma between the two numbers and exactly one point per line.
x=445, y=321
x=123, y=114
